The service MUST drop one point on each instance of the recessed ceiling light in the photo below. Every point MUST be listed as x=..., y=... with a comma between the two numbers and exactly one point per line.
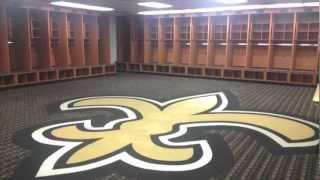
x=156, y=5
x=81, y=6
x=232, y=1
x=231, y=8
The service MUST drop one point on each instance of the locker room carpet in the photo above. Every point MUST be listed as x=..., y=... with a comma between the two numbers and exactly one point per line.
x=241, y=154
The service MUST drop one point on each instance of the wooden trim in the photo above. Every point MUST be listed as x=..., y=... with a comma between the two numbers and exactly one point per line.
x=249, y=44
x=176, y=42
x=210, y=48
x=161, y=44
x=228, y=42
x=294, y=45
x=193, y=44
x=270, y=46
x=147, y=45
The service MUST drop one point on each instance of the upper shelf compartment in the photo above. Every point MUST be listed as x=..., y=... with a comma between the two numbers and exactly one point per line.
x=308, y=27
x=260, y=28
x=239, y=28
x=283, y=28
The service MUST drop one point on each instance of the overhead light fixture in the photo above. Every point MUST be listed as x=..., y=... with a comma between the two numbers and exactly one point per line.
x=231, y=8
x=308, y=45
x=284, y=44
x=156, y=5
x=263, y=44
x=232, y=1
x=80, y=6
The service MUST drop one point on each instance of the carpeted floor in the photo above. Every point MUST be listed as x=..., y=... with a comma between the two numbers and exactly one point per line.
x=33, y=106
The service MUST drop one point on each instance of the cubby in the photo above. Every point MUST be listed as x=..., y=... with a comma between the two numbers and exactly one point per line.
x=259, y=57
x=97, y=70
x=148, y=68
x=19, y=39
x=80, y=72
x=283, y=25
x=134, y=67
x=239, y=28
x=194, y=71
x=27, y=78
x=110, y=69
x=232, y=73
x=308, y=27
x=166, y=40
x=76, y=39
x=103, y=40
x=48, y=75
x=91, y=50
x=151, y=51
x=162, y=69
x=36, y=46
x=7, y=80
x=277, y=76
x=302, y=78
x=220, y=28
x=213, y=72
x=122, y=67
x=178, y=70
x=260, y=26
x=200, y=38
x=219, y=57
x=4, y=41
x=254, y=75
x=282, y=57
x=137, y=40
x=59, y=39
x=184, y=26
x=238, y=54
x=66, y=74
x=306, y=58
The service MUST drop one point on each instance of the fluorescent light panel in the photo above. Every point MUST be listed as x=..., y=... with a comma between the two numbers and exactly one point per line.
x=232, y=8
x=232, y=1
x=80, y=6
x=156, y=5
x=284, y=44
x=308, y=45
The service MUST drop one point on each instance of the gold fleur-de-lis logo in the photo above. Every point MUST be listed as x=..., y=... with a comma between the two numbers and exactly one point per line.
x=152, y=130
